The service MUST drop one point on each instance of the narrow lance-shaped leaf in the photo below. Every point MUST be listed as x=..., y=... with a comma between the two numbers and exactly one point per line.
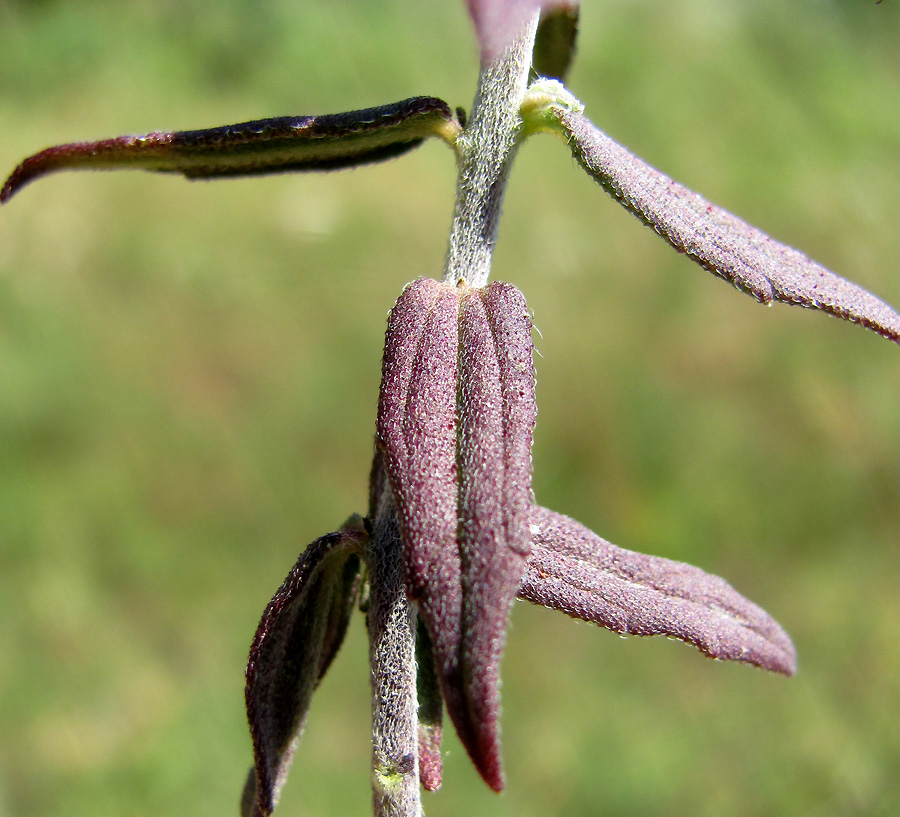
x=714, y=238
x=455, y=421
x=279, y=145
x=573, y=570
x=297, y=638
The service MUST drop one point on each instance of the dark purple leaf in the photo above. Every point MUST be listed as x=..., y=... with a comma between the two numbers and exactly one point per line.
x=279, y=145
x=717, y=240
x=297, y=638
x=455, y=421
x=431, y=709
x=554, y=43
x=573, y=570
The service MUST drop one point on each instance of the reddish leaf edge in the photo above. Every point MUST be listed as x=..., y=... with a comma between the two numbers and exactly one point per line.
x=258, y=147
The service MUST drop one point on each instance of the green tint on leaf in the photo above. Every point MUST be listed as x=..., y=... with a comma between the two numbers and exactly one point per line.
x=279, y=145
x=554, y=43
x=431, y=710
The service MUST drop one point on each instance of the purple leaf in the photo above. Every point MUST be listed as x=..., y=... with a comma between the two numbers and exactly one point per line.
x=497, y=22
x=717, y=240
x=455, y=422
x=497, y=413
x=297, y=638
x=279, y=145
x=573, y=570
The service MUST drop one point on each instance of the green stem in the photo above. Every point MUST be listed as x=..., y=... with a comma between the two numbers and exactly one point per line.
x=486, y=149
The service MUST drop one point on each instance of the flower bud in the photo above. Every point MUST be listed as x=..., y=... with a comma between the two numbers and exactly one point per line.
x=455, y=422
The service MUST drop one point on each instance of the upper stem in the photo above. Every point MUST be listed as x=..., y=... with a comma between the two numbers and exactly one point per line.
x=486, y=149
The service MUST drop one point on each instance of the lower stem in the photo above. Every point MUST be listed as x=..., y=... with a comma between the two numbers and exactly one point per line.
x=392, y=659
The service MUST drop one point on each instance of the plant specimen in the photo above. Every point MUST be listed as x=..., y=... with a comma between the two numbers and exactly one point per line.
x=452, y=533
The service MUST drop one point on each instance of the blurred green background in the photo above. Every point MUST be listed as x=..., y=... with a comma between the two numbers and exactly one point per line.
x=189, y=373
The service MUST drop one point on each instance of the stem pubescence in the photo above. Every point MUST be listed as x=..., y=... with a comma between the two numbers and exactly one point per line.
x=392, y=663
x=485, y=150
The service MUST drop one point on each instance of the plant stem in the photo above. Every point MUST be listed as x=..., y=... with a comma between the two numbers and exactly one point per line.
x=392, y=658
x=485, y=151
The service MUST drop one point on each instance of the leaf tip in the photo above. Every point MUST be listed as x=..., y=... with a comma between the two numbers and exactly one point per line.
x=27, y=171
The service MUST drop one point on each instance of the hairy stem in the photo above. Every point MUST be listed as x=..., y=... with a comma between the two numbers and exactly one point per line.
x=392, y=659
x=486, y=149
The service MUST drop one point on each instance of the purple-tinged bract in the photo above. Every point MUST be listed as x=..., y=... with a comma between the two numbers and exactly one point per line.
x=573, y=570
x=455, y=422
x=717, y=240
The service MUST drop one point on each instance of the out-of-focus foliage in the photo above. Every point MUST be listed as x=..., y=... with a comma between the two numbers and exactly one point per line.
x=190, y=371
